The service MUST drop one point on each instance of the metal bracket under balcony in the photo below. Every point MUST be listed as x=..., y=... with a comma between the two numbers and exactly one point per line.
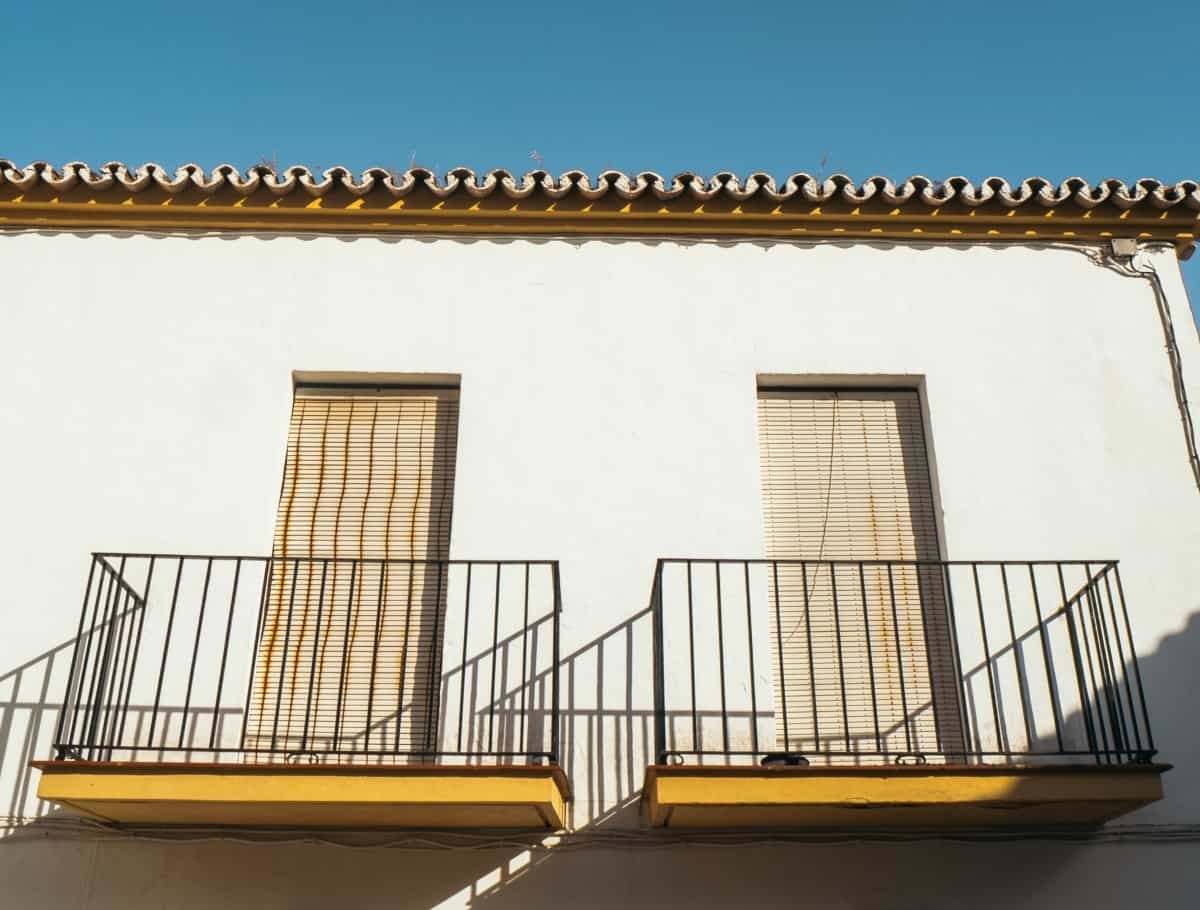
x=872, y=693
x=260, y=691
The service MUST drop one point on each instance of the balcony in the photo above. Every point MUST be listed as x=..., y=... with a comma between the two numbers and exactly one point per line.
x=260, y=691
x=867, y=694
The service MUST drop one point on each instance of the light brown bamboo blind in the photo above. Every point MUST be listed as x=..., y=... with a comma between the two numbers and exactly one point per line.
x=368, y=475
x=845, y=476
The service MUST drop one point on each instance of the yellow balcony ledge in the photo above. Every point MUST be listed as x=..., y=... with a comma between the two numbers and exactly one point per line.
x=308, y=796
x=895, y=796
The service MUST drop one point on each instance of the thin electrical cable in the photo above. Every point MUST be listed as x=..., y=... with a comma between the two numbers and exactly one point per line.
x=825, y=520
x=1130, y=269
x=642, y=839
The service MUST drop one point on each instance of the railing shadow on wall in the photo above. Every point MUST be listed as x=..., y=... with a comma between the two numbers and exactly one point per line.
x=606, y=723
x=29, y=715
x=607, y=736
x=1169, y=671
x=604, y=754
x=607, y=719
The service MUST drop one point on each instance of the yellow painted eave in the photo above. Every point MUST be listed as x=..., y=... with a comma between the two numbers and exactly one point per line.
x=416, y=215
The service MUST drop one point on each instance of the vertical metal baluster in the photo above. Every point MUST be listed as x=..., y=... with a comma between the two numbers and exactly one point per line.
x=1137, y=673
x=462, y=689
x=1051, y=680
x=525, y=673
x=264, y=597
x=287, y=643
x=787, y=740
x=116, y=684
x=495, y=645
x=837, y=622
x=59, y=750
x=435, y=662
x=187, y=700
x=1084, y=700
x=112, y=658
x=660, y=706
x=137, y=647
x=1101, y=692
x=383, y=568
x=908, y=746
x=338, y=713
x=99, y=664
x=750, y=652
x=1094, y=696
x=554, y=706
x=862, y=585
x=960, y=690
x=1018, y=664
x=697, y=739
x=812, y=672
x=112, y=654
x=162, y=667
x=1112, y=612
x=1108, y=736
x=921, y=575
x=1001, y=738
x=1112, y=695
x=404, y=659
x=312, y=665
x=86, y=681
x=721, y=657
x=212, y=736
x=114, y=677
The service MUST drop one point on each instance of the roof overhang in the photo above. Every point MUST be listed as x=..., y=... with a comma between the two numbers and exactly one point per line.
x=460, y=202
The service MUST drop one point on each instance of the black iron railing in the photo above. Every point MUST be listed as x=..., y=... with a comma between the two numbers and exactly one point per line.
x=870, y=661
x=273, y=659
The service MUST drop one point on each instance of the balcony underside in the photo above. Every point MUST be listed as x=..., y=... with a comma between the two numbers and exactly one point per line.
x=922, y=796
x=333, y=796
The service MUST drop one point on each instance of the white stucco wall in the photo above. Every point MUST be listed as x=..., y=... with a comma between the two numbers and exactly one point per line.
x=607, y=419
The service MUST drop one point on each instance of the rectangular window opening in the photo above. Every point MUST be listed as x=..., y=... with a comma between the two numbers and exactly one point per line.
x=861, y=644
x=348, y=651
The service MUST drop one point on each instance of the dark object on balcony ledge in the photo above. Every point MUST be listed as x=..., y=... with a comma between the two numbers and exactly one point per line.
x=774, y=759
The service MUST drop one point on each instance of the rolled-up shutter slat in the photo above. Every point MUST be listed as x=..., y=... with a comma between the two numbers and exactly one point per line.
x=845, y=476
x=347, y=651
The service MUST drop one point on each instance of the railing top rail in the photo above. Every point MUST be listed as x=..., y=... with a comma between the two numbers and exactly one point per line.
x=359, y=559
x=850, y=561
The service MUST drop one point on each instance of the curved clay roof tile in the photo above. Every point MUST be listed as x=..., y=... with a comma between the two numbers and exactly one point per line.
x=662, y=189
x=1074, y=191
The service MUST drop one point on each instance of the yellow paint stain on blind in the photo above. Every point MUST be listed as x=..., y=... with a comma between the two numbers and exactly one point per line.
x=348, y=651
x=862, y=660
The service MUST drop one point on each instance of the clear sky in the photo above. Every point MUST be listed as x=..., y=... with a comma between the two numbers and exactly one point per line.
x=1007, y=87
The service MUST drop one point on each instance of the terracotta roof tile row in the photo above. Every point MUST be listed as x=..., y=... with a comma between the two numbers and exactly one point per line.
x=1072, y=192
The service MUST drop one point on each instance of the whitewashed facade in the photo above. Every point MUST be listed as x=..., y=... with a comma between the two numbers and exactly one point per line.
x=607, y=419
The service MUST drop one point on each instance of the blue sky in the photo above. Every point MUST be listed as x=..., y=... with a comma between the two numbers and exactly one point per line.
x=1054, y=89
